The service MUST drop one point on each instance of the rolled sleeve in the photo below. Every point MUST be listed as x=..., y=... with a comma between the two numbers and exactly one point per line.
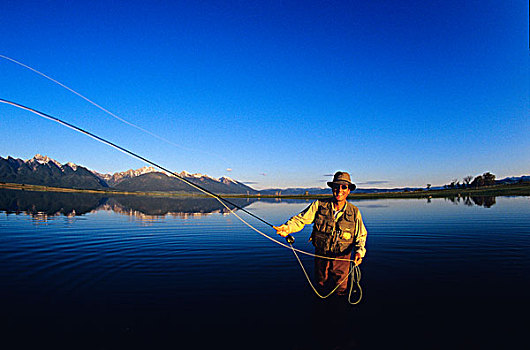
x=360, y=236
x=306, y=217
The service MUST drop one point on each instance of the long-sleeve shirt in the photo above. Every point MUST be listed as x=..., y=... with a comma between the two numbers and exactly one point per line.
x=307, y=216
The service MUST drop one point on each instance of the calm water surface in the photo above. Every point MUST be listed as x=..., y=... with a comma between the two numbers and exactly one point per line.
x=84, y=271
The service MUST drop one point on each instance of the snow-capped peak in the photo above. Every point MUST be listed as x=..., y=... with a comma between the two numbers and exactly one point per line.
x=184, y=173
x=38, y=158
x=144, y=170
x=72, y=165
x=226, y=180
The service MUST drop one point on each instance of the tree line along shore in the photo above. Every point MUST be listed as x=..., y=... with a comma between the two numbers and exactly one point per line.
x=516, y=189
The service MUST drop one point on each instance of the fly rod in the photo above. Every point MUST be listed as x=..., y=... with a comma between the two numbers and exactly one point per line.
x=124, y=150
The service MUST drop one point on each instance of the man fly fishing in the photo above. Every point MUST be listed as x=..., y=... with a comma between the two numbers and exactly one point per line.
x=338, y=231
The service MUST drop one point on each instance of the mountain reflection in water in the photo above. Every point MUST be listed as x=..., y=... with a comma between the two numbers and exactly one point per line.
x=42, y=205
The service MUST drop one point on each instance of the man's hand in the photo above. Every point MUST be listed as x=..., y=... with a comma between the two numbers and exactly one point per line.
x=357, y=260
x=282, y=230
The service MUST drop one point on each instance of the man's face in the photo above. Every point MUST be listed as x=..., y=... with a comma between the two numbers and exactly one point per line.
x=340, y=192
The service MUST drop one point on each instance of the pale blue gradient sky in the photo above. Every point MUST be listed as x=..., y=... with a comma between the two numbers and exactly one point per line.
x=281, y=92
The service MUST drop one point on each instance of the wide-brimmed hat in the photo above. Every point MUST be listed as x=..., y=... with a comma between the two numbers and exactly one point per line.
x=342, y=178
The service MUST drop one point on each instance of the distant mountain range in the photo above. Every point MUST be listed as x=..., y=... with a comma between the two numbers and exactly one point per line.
x=317, y=190
x=42, y=170
x=514, y=179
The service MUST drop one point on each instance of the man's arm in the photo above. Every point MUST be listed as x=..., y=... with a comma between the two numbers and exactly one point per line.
x=360, y=239
x=297, y=222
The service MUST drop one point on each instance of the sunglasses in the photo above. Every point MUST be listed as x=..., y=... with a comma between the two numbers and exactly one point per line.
x=342, y=187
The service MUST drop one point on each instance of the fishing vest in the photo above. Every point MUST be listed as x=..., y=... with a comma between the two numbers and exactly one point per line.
x=330, y=237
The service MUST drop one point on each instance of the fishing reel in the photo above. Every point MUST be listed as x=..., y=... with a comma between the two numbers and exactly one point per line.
x=289, y=239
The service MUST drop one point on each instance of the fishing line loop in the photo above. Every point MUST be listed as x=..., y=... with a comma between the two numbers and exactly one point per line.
x=355, y=273
x=221, y=200
x=290, y=239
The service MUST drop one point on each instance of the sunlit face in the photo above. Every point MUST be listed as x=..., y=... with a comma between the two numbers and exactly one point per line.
x=340, y=192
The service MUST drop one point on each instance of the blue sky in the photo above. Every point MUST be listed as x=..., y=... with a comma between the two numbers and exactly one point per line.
x=283, y=93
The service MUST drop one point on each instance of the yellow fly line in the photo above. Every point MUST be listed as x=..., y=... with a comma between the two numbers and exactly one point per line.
x=355, y=269
x=199, y=188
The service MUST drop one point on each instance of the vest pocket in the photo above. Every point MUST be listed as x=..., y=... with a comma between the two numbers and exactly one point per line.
x=341, y=246
x=332, y=243
x=341, y=242
x=321, y=241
